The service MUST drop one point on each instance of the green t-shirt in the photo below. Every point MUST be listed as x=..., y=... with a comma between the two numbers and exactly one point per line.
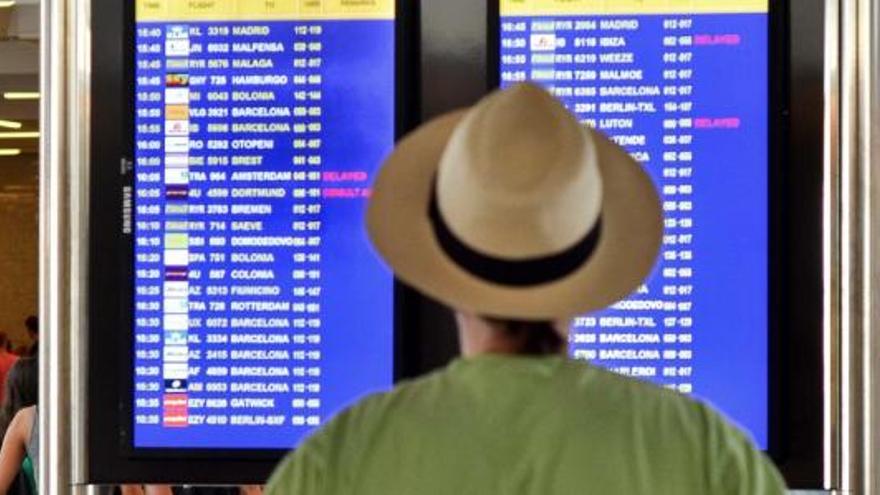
x=499, y=425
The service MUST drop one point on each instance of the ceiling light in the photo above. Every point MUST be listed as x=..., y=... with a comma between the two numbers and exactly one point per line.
x=6, y=3
x=20, y=135
x=9, y=152
x=21, y=95
x=10, y=124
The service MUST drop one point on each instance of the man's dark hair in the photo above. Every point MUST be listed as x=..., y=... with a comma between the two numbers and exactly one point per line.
x=534, y=337
x=32, y=324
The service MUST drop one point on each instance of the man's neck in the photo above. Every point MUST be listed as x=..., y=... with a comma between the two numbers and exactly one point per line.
x=478, y=336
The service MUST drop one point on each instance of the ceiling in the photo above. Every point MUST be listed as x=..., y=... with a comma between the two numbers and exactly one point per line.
x=19, y=71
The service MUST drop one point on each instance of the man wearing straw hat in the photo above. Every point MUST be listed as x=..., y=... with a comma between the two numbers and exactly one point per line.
x=519, y=219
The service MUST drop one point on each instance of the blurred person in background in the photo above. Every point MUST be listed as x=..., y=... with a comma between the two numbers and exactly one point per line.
x=18, y=425
x=32, y=325
x=7, y=360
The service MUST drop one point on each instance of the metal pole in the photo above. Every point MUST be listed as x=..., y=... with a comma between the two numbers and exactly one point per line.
x=853, y=254
x=860, y=266
x=831, y=273
x=869, y=152
x=54, y=461
x=851, y=248
x=79, y=115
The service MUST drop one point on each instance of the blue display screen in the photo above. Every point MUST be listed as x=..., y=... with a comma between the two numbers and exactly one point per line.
x=686, y=92
x=260, y=309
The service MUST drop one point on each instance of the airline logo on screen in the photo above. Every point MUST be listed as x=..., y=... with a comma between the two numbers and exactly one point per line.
x=205, y=10
x=610, y=7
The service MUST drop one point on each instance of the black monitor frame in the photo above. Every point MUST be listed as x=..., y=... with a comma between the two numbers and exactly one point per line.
x=111, y=458
x=790, y=218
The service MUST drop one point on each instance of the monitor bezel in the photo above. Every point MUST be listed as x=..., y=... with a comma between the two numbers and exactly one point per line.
x=112, y=456
x=778, y=126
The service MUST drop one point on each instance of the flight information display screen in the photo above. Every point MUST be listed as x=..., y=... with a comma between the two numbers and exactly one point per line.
x=683, y=85
x=259, y=308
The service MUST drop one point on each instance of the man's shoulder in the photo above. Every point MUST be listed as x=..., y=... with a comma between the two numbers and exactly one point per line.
x=405, y=395
x=590, y=407
x=635, y=394
x=576, y=392
x=579, y=386
x=355, y=426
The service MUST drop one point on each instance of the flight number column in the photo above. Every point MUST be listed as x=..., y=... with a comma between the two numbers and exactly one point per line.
x=208, y=208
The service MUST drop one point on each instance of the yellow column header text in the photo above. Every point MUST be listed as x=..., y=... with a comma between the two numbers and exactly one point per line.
x=262, y=10
x=629, y=7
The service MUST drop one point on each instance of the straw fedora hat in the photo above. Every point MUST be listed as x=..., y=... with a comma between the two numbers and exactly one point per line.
x=512, y=209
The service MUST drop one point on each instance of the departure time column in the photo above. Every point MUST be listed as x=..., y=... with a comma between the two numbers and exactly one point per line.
x=148, y=225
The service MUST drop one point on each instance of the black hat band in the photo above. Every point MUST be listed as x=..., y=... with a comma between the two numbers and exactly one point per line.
x=519, y=273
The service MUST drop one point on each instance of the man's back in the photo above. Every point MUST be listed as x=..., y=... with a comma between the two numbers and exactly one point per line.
x=517, y=425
